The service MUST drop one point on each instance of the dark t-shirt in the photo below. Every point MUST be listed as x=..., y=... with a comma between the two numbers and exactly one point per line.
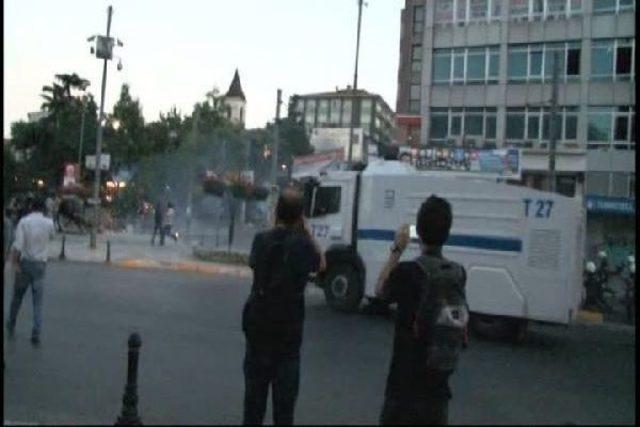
x=408, y=376
x=159, y=213
x=303, y=259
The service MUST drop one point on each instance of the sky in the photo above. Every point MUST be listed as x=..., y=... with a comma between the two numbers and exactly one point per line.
x=175, y=52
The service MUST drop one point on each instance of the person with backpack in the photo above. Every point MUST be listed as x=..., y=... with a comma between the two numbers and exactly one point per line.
x=432, y=316
x=272, y=320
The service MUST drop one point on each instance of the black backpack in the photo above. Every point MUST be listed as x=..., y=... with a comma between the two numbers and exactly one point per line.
x=442, y=315
x=270, y=309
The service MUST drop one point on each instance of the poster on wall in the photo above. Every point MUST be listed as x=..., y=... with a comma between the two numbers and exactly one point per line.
x=70, y=174
x=499, y=163
x=314, y=164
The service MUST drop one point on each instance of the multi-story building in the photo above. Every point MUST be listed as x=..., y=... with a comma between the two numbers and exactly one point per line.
x=479, y=73
x=333, y=110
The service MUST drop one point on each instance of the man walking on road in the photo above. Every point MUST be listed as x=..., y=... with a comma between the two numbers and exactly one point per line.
x=430, y=323
x=158, y=217
x=273, y=316
x=29, y=257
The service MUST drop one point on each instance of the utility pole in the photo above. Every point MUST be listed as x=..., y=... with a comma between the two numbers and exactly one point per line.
x=553, y=124
x=96, y=184
x=276, y=142
x=355, y=110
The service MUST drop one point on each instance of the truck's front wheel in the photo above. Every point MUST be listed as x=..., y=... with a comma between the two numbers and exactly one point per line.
x=343, y=288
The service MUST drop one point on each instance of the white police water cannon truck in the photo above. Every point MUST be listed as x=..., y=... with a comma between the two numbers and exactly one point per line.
x=522, y=248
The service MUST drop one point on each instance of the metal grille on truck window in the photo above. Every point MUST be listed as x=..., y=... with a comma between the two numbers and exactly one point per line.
x=544, y=249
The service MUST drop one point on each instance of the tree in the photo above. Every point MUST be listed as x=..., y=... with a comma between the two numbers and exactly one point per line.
x=53, y=140
x=127, y=144
x=294, y=140
x=57, y=96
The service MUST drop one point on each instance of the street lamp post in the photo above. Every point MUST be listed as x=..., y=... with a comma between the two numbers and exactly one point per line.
x=104, y=51
x=355, y=110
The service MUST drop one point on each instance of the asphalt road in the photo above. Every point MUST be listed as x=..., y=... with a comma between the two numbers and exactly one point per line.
x=192, y=350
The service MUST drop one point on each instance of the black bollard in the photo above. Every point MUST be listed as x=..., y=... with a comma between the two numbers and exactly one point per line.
x=129, y=415
x=62, y=254
x=108, y=251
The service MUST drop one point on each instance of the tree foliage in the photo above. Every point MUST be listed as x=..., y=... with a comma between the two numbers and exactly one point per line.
x=174, y=150
x=49, y=143
x=128, y=143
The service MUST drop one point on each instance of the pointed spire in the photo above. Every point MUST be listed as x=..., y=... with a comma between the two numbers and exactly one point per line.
x=235, y=90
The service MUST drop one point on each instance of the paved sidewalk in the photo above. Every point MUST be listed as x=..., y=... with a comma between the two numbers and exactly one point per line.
x=135, y=251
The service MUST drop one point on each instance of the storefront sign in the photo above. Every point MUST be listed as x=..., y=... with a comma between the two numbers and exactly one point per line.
x=611, y=205
x=105, y=161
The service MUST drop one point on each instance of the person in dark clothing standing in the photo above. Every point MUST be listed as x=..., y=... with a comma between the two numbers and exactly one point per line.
x=272, y=320
x=416, y=392
x=158, y=217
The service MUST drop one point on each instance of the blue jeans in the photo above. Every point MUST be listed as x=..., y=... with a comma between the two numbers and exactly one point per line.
x=31, y=274
x=263, y=369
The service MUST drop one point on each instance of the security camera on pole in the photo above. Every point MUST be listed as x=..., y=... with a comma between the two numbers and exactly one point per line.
x=103, y=50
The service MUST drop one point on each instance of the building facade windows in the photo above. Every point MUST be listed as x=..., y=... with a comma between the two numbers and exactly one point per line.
x=414, y=99
x=418, y=19
x=416, y=60
x=310, y=113
x=613, y=59
x=346, y=111
x=335, y=112
x=466, y=65
x=365, y=111
x=615, y=6
x=543, y=9
x=526, y=127
x=464, y=125
x=611, y=127
x=323, y=112
x=534, y=62
x=465, y=11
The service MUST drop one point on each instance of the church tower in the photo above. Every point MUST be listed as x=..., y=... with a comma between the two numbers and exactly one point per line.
x=236, y=102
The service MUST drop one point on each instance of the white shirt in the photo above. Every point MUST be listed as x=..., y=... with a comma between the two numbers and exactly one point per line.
x=33, y=233
x=168, y=216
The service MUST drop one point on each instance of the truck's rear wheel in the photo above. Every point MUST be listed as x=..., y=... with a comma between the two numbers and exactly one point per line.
x=343, y=288
x=499, y=327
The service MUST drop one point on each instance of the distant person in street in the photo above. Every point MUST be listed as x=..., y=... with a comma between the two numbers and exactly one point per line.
x=188, y=216
x=272, y=320
x=56, y=212
x=157, y=224
x=29, y=258
x=7, y=235
x=50, y=205
x=430, y=323
x=167, y=225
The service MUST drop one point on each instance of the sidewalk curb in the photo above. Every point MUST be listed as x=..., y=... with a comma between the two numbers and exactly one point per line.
x=587, y=317
x=228, y=270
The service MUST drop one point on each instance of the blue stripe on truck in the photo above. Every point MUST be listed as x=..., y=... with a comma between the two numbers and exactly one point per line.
x=489, y=243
